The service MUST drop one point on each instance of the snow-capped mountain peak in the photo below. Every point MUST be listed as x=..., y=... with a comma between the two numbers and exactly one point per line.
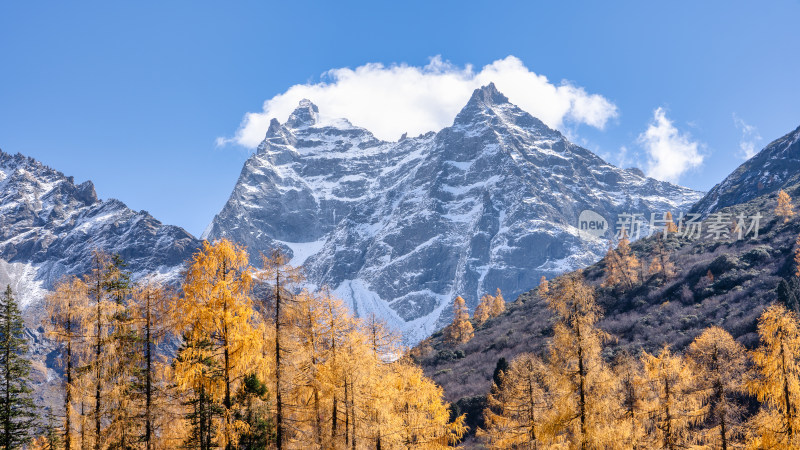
x=400, y=228
x=50, y=225
x=488, y=109
x=305, y=115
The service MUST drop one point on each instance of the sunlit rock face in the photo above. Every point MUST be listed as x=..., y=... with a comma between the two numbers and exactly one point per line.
x=399, y=229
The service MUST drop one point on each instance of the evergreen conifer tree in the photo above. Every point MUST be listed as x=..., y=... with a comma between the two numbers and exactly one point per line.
x=17, y=414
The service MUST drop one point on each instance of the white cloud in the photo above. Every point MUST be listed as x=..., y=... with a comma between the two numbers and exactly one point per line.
x=670, y=153
x=390, y=101
x=624, y=158
x=750, y=138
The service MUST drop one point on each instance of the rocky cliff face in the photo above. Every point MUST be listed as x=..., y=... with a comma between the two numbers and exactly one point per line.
x=400, y=228
x=49, y=226
x=774, y=167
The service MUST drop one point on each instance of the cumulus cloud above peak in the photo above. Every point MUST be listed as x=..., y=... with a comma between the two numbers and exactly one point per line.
x=670, y=153
x=396, y=99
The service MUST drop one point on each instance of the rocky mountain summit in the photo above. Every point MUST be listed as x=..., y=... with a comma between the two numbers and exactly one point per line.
x=770, y=169
x=49, y=227
x=399, y=229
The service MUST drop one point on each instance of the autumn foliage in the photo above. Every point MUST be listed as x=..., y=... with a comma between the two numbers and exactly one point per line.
x=622, y=266
x=572, y=397
x=241, y=357
x=489, y=306
x=247, y=341
x=460, y=330
x=784, y=207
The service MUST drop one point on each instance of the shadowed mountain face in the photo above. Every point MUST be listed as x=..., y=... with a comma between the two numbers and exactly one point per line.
x=772, y=168
x=400, y=228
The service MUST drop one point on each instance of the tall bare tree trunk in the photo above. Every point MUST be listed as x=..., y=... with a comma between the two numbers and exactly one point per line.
x=582, y=388
x=148, y=424
x=97, y=357
x=68, y=398
x=278, y=397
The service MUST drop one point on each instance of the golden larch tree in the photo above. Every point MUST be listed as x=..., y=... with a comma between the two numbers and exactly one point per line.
x=661, y=264
x=339, y=326
x=674, y=405
x=544, y=286
x=216, y=310
x=97, y=323
x=384, y=346
x=460, y=330
x=797, y=257
x=581, y=381
x=776, y=380
x=483, y=311
x=152, y=303
x=669, y=224
x=784, y=207
x=307, y=389
x=719, y=364
x=124, y=360
x=622, y=266
x=421, y=416
x=65, y=306
x=498, y=303
x=517, y=412
x=630, y=389
x=280, y=276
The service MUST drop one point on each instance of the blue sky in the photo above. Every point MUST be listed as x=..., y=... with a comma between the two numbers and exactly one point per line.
x=135, y=95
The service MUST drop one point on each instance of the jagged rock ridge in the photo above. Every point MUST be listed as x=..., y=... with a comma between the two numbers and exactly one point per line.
x=50, y=225
x=400, y=228
x=768, y=171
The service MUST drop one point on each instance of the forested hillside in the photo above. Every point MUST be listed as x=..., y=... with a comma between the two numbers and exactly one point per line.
x=653, y=294
x=258, y=364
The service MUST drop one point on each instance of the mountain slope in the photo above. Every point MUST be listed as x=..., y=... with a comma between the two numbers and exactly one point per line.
x=400, y=228
x=52, y=225
x=764, y=173
x=49, y=227
x=744, y=276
